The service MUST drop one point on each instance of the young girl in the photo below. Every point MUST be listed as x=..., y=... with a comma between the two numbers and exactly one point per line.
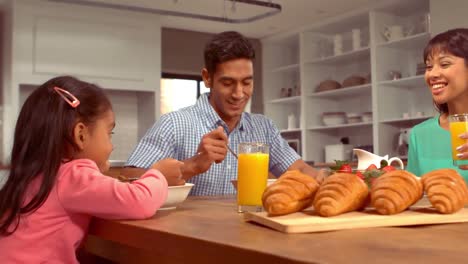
x=61, y=147
x=446, y=58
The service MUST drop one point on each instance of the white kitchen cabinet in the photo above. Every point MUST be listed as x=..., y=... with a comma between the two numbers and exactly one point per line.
x=313, y=58
x=118, y=50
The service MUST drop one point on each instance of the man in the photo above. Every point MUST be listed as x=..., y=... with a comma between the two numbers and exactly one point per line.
x=199, y=135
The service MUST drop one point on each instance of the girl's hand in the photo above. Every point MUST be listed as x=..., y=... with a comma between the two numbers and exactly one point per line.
x=171, y=169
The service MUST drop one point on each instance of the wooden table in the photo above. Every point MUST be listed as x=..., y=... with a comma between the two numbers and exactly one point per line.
x=209, y=230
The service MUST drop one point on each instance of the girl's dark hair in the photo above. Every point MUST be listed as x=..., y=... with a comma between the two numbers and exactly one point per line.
x=43, y=139
x=226, y=46
x=455, y=42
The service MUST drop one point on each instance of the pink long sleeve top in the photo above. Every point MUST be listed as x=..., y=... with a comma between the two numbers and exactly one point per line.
x=53, y=232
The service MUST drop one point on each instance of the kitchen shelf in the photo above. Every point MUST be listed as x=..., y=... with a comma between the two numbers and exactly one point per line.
x=410, y=42
x=406, y=120
x=285, y=131
x=342, y=92
x=376, y=58
x=361, y=124
x=286, y=100
x=292, y=67
x=345, y=57
x=412, y=81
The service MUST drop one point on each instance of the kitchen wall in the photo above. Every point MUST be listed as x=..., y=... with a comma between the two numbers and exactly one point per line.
x=182, y=52
x=448, y=14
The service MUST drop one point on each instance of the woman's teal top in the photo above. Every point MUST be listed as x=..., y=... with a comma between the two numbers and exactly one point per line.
x=430, y=149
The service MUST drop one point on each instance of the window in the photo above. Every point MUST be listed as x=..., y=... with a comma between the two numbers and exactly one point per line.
x=178, y=91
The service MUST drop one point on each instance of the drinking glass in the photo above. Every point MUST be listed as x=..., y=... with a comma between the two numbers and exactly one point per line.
x=252, y=175
x=458, y=125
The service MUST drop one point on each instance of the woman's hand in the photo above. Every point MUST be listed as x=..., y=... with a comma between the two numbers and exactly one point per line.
x=171, y=169
x=463, y=151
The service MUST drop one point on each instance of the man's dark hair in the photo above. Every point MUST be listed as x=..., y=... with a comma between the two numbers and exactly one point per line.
x=226, y=46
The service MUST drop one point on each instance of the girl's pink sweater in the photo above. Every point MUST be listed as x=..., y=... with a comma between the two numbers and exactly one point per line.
x=53, y=232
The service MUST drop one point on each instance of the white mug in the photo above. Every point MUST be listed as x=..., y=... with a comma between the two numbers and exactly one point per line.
x=292, y=121
x=338, y=44
x=393, y=32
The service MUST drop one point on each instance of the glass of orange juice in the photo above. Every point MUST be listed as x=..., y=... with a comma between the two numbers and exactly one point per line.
x=458, y=125
x=252, y=175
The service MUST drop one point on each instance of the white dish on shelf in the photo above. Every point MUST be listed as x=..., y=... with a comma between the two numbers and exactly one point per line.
x=367, y=117
x=353, y=118
x=333, y=118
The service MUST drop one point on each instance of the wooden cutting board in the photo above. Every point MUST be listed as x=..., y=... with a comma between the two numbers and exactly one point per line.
x=307, y=221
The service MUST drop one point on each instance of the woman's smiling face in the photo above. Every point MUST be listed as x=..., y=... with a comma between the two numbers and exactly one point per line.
x=447, y=77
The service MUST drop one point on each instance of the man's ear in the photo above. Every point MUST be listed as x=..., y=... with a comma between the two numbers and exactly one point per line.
x=80, y=135
x=206, y=78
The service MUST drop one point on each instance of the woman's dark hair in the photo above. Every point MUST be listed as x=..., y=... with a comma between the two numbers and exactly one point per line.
x=455, y=42
x=43, y=139
x=226, y=46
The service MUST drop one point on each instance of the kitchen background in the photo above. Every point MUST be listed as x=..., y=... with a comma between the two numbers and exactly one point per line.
x=371, y=47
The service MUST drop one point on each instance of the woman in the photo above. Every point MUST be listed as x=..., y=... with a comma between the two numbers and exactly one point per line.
x=446, y=58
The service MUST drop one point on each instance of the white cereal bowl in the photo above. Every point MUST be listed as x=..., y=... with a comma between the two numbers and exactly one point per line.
x=269, y=181
x=176, y=195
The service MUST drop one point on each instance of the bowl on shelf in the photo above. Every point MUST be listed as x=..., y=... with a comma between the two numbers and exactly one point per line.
x=353, y=118
x=367, y=117
x=176, y=195
x=327, y=85
x=354, y=80
x=333, y=118
x=269, y=181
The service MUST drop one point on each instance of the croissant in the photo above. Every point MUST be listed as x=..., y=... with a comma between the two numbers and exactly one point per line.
x=292, y=192
x=446, y=189
x=395, y=191
x=340, y=193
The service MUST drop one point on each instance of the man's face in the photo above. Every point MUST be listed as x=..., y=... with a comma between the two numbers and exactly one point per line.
x=231, y=87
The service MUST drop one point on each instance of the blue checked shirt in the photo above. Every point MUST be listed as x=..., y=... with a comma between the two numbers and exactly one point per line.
x=178, y=134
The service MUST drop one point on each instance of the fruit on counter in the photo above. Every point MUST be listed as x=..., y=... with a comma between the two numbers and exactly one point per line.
x=340, y=193
x=360, y=175
x=395, y=191
x=292, y=192
x=446, y=190
x=346, y=168
x=341, y=166
x=368, y=176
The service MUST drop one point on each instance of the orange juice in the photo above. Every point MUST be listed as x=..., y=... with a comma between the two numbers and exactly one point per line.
x=252, y=174
x=457, y=128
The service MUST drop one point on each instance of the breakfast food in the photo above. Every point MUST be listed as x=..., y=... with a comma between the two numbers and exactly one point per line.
x=292, y=192
x=340, y=193
x=446, y=190
x=395, y=191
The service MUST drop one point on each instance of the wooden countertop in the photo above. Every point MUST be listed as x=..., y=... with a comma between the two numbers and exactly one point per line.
x=209, y=230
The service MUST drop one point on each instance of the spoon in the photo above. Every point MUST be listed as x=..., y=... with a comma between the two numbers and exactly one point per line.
x=232, y=151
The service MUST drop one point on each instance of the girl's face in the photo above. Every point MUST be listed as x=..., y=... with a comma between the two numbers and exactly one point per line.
x=447, y=78
x=95, y=140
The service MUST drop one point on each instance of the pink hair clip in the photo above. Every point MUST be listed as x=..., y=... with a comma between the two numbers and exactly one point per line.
x=74, y=102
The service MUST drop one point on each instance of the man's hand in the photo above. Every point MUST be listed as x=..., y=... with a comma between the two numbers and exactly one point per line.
x=212, y=149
